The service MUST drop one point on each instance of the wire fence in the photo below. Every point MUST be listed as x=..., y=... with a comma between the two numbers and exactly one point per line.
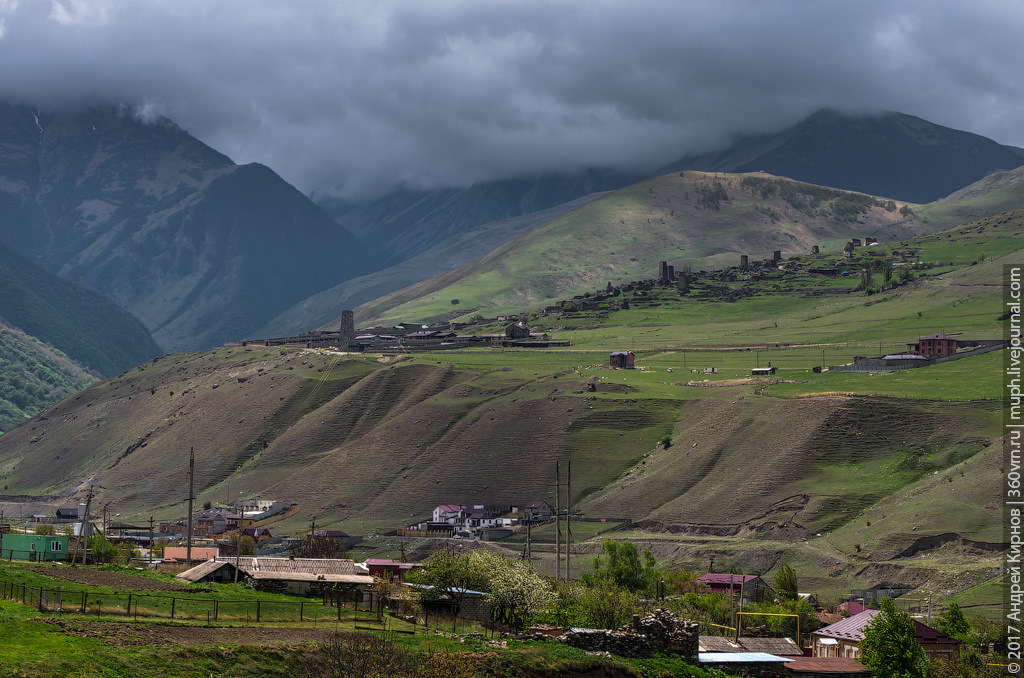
x=58, y=600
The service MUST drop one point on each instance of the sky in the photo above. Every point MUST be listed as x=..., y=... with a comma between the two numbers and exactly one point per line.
x=354, y=97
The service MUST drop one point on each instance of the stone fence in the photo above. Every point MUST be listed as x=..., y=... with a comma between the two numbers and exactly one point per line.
x=661, y=631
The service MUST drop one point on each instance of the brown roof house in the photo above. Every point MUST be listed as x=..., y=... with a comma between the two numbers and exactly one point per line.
x=842, y=639
x=296, y=576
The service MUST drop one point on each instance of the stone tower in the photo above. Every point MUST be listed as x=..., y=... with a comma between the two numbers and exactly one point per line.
x=348, y=328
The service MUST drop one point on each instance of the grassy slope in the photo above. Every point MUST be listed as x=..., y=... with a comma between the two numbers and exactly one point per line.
x=622, y=237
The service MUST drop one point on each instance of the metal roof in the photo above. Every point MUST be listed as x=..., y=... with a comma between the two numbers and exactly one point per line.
x=744, y=657
x=819, y=665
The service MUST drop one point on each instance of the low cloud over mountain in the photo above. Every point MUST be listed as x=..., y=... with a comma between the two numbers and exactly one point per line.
x=360, y=97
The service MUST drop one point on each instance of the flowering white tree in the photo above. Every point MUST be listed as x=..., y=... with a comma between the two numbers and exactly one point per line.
x=517, y=593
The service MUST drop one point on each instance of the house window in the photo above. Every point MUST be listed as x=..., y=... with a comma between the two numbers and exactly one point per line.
x=56, y=546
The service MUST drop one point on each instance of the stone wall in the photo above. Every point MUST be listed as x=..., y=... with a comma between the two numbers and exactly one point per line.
x=662, y=631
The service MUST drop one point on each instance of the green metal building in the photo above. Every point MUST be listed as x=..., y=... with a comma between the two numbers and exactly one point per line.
x=33, y=547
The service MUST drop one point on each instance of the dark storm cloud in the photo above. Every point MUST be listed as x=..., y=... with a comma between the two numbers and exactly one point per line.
x=361, y=96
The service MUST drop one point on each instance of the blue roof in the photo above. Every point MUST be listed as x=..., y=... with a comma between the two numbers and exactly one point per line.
x=716, y=657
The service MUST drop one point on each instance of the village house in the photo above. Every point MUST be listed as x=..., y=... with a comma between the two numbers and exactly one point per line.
x=393, y=570
x=449, y=513
x=934, y=346
x=621, y=359
x=219, y=521
x=65, y=515
x=748, y=586
x=537, y=510
x=258, y=534
x=517, y=331
x=842, y=639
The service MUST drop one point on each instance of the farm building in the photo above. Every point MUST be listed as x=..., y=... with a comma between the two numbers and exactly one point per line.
x=842, y=639
x=296, y=576
x=763, y=371
x=621, y=359
x=33, y=547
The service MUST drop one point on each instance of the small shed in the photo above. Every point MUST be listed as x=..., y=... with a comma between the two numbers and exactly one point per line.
x=621, y=359
x=763, y=371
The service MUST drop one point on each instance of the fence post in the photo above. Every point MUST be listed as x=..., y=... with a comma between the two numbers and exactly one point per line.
x=339, y=610
x=129, y=604
x=173, y=601
x=85, y=599
x=216, y=608
x=302, y=606
x=257, y=610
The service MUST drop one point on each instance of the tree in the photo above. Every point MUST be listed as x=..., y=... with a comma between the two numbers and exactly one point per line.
x=953, y=623
x=103, y=551
x=786, y=583
x=623, y=567
x=889, y=648
x=606, y=605
x=453, y=574
x=517, y=593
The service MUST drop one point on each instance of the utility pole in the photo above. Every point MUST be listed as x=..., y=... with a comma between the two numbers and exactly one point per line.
x=568, y=517
x=191, y=498
x=84, y=523
x=558, y=524
x=529, y=541
x=732, y=603
x=105, y=529
x=151, y=540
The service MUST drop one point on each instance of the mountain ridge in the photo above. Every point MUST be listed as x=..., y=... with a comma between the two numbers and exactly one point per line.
x=169, y=228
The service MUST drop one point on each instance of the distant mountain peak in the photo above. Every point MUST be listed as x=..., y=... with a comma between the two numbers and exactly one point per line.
x=885, y=153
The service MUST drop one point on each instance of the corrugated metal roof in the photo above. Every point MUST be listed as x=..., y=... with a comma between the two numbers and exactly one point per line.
x=199, y=571
x=737, y=657
x=717, y=578
x=850, y=628
x=826, y=665
x=287, y=569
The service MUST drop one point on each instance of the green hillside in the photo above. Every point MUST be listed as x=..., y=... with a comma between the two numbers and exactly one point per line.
x=693, y=220
x=33, y=377
x=88, y=327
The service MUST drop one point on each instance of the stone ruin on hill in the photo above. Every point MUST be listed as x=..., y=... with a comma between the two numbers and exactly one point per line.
x=661, y=631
